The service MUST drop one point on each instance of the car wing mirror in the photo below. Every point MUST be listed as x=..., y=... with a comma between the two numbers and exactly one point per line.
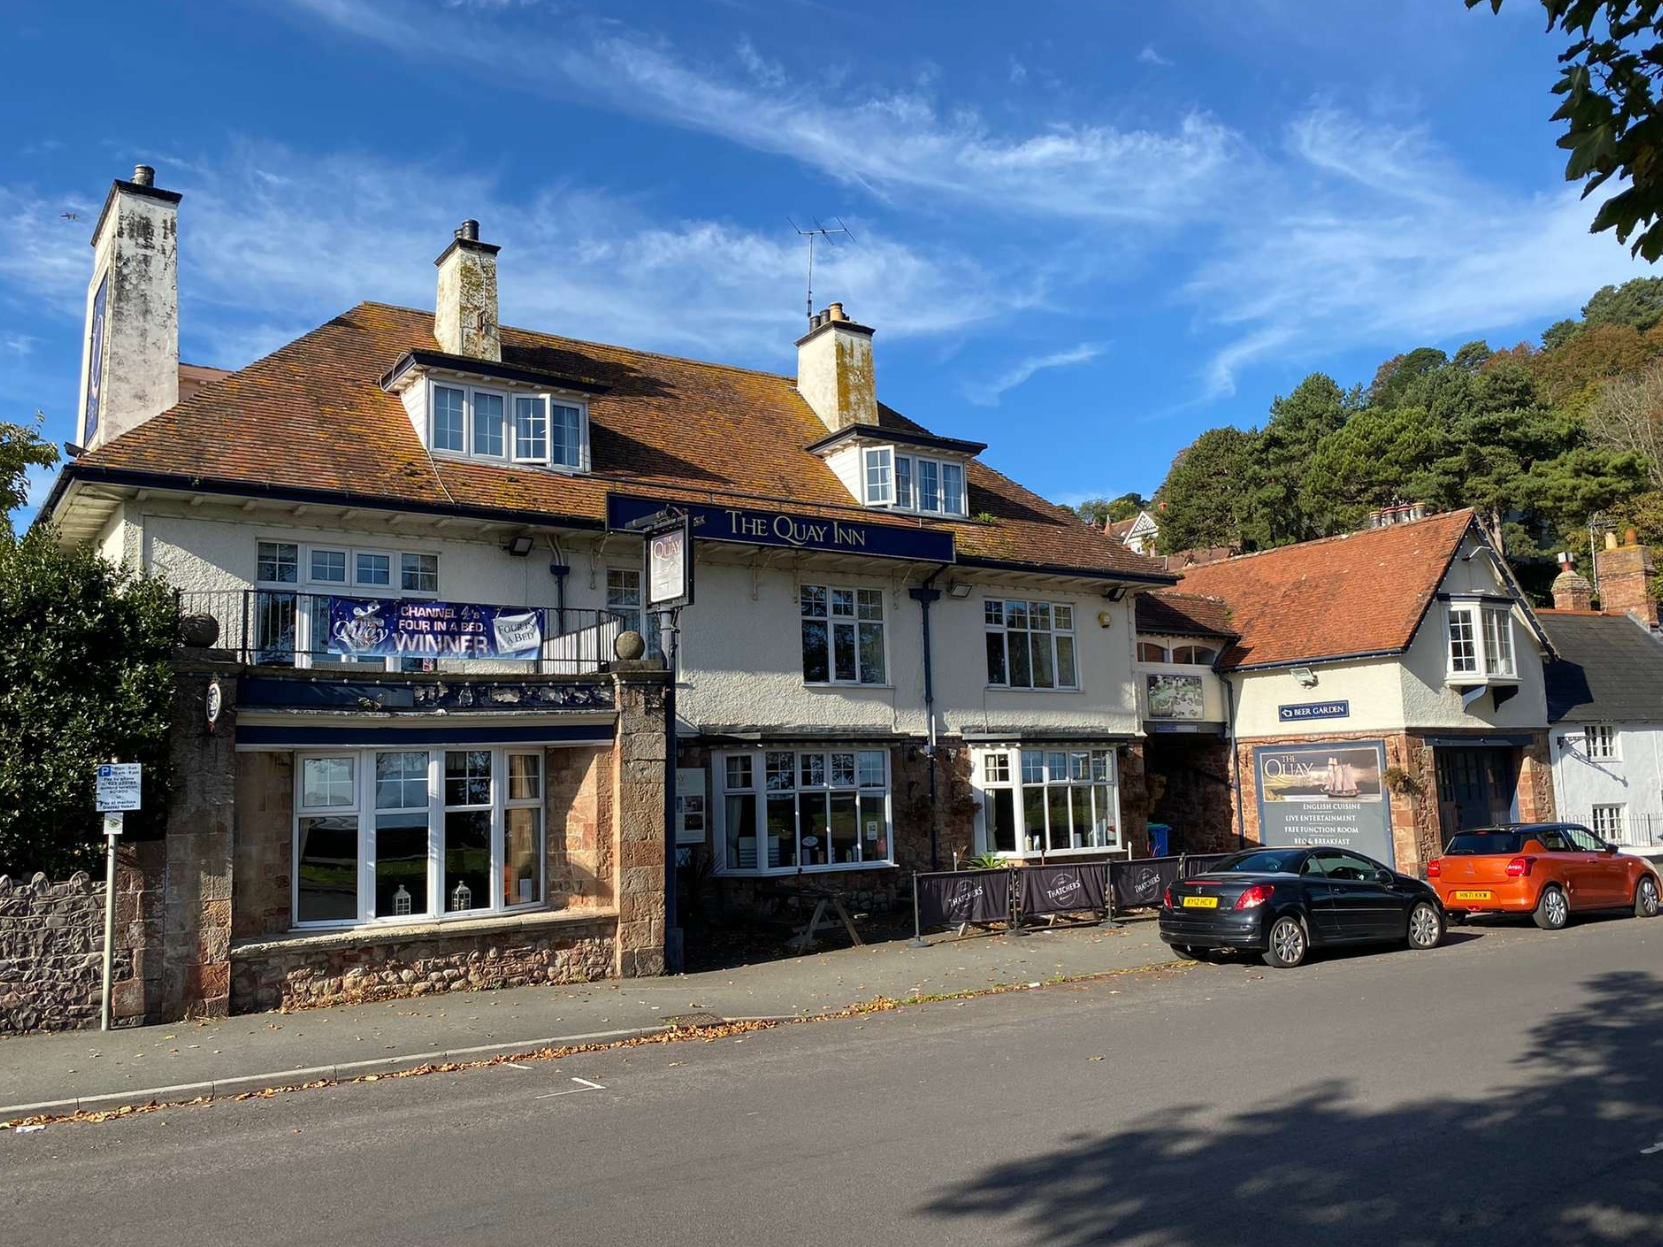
x=1386, y=877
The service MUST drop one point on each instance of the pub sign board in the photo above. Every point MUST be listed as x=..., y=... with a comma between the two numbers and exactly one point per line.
x=754, y=526
x=669, y=572
x=1313, y=710
x=1325, y=793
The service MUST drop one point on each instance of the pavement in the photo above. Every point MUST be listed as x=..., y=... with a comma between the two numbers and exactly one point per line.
x=1497, y=1090
x=93, y=1070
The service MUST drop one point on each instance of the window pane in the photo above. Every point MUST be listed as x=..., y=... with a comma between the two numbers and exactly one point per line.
x=811, y=808
x=929, y=485
x=1033, y=766
x=375, y=569
x=738, y=771
x=995, y=657
x=522, y=856
x=740, y=830
x=843, y=639
x=816, y=660
x=1039, y=615
x=1016, y=614
x=952, y=488
x=782, y=831
x=400, y=865
x=845, y=828
x=1079, y=765
x=781, y=772
x=279, y=562
x=877, y=475
x=1001, y=820
x=525, y=776
x=1065, y=662
x=871, y=653
x=420, y=572
x=996, y=768
x=1042, y=659
x=326, y=783
x=874, y=838
x=400, y=781
x=467, y=860
x=568, y=436
x=1080, y=809
x=1463, y=656
x=329, y=566
x=487, y=424
x=1057, y=808
x=870, y=604
x=813, y=600
x=468, y=777
x=993, y=614
x=903, y=482
x=812, y=770
x=447, y=418
x=531, y=428
x=843, y=603
x=274, y=627
x=1062, y=618
x=1056, y=766
x=1021, y=675
x=843, y=770
x=1033, y=818
x=871, y=769
x=327, y=877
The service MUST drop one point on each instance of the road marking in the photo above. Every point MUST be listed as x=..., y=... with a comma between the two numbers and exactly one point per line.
x=584, y=1082
x=583, y=1085
x=524, y=1069
x=1652, y=1150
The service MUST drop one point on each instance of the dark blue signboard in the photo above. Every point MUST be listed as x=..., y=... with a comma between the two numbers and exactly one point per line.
x=757, y=527
x=1313, y=710
x=417, y=628
x=95, y=362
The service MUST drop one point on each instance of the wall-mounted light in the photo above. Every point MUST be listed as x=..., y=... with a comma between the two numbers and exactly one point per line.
x=958, y=590
x=520, y=546
x=1306, y=677
x=1115, y=592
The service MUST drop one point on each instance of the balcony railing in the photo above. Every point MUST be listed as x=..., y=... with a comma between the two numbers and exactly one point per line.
x=286, y=628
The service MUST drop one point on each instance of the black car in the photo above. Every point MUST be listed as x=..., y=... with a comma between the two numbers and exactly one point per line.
x=1284, y=902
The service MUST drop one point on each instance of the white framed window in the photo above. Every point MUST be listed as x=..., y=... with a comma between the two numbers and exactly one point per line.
x=623, y=597
x=391, y=835
x=1480, y=641
x=450, y=418
x=419, y=573
x=1194, y=655
x=1149, y=651
x=1030, y=644
x=1599, y=742
x=1046, y=801
x=490, y=432
x=277, y=563
x=531, y=429
x=879, y=463
x=781, y=810
x=568, y=443
x=903, y=482
x=327, y=567
x=843, y=635
x=933, y=486
x=484, y=423
x=289, y=615
x=1608, y=822
x=372, y=569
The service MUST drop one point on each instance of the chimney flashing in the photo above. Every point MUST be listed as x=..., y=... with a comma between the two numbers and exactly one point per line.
x=823, y=322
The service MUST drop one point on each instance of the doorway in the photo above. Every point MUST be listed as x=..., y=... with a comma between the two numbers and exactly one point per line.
x=1476, y=788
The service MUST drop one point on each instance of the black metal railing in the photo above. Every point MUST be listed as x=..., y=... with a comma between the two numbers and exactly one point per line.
x=288, y=628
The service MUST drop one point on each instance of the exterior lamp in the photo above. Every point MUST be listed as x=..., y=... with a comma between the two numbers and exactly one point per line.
x=519, y=546
x=1306, y=677
x=958, y=590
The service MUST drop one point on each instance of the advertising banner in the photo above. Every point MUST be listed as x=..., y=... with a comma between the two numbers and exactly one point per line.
x=416, y=628
x=1325, y=792
x=1064, y=889
x=948, y=899
x=1141, y=882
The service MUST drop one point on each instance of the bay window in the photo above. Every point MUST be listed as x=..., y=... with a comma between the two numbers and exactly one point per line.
x=482, y=423
x=1047, y=801
x=912, y=482
x=1030, y=645
x=1480, y=641
x=785, y=809
x=843, y=635
x=402, y=834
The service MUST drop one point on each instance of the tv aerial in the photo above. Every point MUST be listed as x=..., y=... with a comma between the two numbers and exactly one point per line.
x=828, y=235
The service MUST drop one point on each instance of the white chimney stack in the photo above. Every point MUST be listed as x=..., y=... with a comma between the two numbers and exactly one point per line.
x=130, y=352
x=465, y=314
x=834, y=370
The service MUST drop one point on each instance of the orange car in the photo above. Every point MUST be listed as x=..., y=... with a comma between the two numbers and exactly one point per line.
x=1547, y=870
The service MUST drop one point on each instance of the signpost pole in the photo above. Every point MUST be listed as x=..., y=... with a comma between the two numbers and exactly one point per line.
x=109, y=925
x=917, y=928
x=115, y=790
x=672, y=933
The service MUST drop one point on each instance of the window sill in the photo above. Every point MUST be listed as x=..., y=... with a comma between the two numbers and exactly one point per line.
x=1037, y=855
x=838, y=686
x=785, y=872
x=355, y=936
x=1471, y=679
x=1008, y=688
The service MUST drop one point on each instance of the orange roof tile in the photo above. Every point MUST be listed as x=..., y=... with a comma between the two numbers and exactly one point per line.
x=312, y=416
x=1340, y=597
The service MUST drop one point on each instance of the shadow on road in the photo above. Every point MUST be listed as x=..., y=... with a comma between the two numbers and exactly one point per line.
x=1554, y=1157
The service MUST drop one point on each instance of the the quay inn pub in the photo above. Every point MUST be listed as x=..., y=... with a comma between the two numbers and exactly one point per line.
x=413, y=530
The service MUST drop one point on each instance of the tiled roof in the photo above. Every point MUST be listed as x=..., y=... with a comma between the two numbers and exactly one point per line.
x=1172, y=613
x=1609, y=668
x=311, y=416
x=1363, y=593
x=1119, y=528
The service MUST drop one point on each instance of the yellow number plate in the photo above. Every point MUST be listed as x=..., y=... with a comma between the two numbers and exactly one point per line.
x=1474, y=896
x=1201, y=902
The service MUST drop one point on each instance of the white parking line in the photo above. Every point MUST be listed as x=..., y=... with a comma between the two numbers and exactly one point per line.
x=584, y=1085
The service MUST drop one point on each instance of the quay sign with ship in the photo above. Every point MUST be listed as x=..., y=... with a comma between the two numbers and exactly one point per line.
x=1327, y=793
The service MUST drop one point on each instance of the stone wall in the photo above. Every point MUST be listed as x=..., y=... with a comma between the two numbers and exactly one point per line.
x=51, y=945
x=351, y=966
x=1194, y=797
x=262, y=899
x=578, y=817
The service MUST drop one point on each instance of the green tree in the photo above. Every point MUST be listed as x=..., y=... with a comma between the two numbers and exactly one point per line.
x=1298, y=422
x=1377, y=458
x=1395, y=376
x=1205, y=499
x=1100, y=511
x=1610, y=110
x=85, y=676
x=21, y=448
x=1638, y=303
x=1559, y=333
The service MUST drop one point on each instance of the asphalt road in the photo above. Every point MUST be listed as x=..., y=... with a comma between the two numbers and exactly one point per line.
x=1497, y=1090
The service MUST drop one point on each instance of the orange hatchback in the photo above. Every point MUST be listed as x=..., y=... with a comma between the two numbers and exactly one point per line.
x=1546, y=870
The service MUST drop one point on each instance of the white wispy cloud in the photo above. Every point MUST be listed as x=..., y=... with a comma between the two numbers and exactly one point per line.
x=988, y=394
x=769, y=73
x=1151, y=57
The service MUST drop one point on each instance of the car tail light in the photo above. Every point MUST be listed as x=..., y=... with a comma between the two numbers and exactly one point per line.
x=1255, y=896
x=1434, y=869
x=1166, y=898
x=1520, y=866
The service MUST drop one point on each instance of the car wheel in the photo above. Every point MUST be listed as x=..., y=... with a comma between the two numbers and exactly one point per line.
x=1287, y=945
x=1426, y=926
x=1553, y=911
x=1645, y=897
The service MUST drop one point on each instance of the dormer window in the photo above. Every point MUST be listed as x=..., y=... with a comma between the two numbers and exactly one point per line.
x=491, y=424
x=880, y=484
x=1480, y=642
x=912, y=482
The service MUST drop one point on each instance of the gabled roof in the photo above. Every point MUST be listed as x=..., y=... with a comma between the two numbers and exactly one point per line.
x=1353, y=596
x=1609, y=669
x=1173, y=613
x=311, y=419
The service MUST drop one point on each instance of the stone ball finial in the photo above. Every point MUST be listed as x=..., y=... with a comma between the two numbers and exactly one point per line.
x=199, y=631
x=629, y=646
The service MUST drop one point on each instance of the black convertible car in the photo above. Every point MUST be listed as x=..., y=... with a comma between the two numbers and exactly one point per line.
x=1284, y=902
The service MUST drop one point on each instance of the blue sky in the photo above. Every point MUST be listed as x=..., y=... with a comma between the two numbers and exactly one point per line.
x=1084, y=232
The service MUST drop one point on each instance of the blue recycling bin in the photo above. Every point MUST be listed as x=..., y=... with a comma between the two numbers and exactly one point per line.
x=1160, y=836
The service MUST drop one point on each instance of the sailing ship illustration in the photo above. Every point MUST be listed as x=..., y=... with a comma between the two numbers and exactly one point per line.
x=1341, y=780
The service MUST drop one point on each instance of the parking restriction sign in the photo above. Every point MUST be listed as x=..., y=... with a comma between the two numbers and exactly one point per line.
x=118, y=786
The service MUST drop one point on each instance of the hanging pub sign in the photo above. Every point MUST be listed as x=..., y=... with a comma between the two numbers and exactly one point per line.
x=766, y=527
x=669, y=571
x=418, y=628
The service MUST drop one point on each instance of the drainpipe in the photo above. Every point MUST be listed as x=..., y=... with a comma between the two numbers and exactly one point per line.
x=924, y=594
x=559, y=569
x=1235, y=758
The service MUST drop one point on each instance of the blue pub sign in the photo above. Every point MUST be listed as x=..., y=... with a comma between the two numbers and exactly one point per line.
x=762, y=527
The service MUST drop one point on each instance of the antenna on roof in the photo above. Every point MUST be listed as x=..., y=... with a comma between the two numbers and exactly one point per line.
x=819, y=231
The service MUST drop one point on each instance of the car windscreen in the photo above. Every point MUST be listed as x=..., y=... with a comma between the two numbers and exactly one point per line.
x=1263, y=861
x=1477, y=842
